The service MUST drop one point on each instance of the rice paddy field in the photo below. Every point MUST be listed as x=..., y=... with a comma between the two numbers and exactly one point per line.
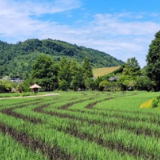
x=103, y=71
x=80, y=126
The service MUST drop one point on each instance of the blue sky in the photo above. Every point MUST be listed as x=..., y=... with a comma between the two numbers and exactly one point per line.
x=121, y=28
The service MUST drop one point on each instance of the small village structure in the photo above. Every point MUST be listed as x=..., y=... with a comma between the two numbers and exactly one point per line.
x=111, y=79
x=35, y=88
x=16, y=80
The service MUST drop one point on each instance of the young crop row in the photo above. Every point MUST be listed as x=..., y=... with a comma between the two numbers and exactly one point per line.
x=74, y=147
x=103, y=136
x=83, y=126
x=89, y=155
x=11, y=149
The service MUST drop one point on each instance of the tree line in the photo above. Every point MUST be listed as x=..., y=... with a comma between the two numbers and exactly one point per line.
x=65, y=75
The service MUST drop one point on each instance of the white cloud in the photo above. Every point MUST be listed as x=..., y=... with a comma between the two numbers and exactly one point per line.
x=122, y=35
x=36, y=7
x=16, y=20
x=122, y=39
x=119, y=37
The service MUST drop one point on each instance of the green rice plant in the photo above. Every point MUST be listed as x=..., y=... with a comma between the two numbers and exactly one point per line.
x=82, y=129
x=111, y=129
x=11, y=150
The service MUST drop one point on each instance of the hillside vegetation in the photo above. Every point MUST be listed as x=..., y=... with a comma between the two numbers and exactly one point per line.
x=103, y=71
x=17, y=59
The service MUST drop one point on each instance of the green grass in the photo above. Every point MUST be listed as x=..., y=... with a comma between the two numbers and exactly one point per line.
x=85, y=125
x=11, y=150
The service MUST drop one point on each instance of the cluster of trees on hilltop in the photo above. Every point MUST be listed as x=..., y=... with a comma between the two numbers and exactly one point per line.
x=16, y=60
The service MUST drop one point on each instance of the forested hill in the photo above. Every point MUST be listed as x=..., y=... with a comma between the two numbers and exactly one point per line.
x=17, y=59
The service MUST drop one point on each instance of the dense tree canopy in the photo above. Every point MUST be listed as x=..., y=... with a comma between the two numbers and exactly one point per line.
x=45, y=72
x=132, y=68
x=87, y=69
x=130, y=72
x=64, y=75
x=153, y=61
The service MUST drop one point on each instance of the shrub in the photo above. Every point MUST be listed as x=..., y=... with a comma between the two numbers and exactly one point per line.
x=63, y=85
x=155, y=103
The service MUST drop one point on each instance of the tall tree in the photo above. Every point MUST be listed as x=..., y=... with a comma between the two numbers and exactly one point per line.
x=64, y=73
x=78, y=80
x=45, y=72
x=132, y=68
x=130, y=72
x=87, y=68
x=153, y=61
x=73, y=68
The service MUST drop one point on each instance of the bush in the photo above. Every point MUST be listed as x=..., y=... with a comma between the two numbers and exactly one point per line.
x=63, y=85
x=155, y=103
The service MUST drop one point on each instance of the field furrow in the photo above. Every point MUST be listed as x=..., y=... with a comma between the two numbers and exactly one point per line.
x=84, y=125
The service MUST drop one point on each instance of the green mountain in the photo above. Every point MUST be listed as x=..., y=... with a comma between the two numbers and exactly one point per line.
x=17, y=59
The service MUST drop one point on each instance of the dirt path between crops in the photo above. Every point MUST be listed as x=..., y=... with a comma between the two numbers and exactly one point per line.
x=46, y=95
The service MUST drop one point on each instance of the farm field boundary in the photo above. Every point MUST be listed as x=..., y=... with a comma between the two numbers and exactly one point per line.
x=83, y=125
x=45, y=95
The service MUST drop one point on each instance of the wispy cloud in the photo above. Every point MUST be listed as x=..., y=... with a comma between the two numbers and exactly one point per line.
x=36, y=7
x=17, y=22
x=117, y=36
x=122, y=35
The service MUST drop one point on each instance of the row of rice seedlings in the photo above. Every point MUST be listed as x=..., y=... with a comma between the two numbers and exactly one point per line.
x=28, y=101
x=89, y=101
x=113, y=113
x=28, y=111
x=129, y=104
x=75, y=147
x=12, y=102
x=112, y=138
x=139, y=127
x=25, y=111
x=11, y=150
x=8, y=102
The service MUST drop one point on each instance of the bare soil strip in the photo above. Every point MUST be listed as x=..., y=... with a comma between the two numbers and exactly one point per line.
x=10, y=112
x=66, y=106
x=29, y=142
x=91, y=105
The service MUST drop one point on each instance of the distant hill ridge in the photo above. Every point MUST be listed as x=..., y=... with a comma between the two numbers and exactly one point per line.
x=17, y=59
